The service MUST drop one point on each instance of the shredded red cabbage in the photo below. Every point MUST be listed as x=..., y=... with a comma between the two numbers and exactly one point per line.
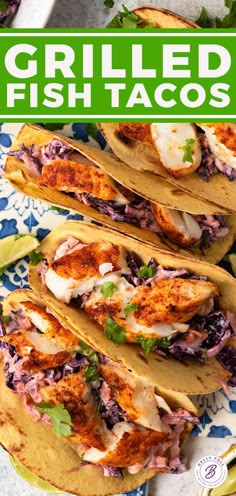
x=211, y=165
x=11, y=9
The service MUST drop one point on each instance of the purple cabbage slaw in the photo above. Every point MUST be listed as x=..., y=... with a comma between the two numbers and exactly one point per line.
x=219, y=327
x=210, y=165
x=137, y=212
x=12, y=6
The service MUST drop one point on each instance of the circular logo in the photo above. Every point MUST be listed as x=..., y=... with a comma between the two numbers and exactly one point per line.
x=211, y=471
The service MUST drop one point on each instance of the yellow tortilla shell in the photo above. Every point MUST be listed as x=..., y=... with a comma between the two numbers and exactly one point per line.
x=162, y=18
x=190, y=377
x=36, y=446
x=16, y=172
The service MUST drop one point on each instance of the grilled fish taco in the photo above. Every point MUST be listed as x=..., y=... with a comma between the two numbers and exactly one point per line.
x=129, y=298
x=159, y=150
x=50, y=167
x=65, y=404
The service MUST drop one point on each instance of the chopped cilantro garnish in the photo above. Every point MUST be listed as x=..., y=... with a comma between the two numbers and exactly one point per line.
x=6, y=319
x=204, y=20
x=107, y=289
x=125, y=19
x=130, y=307
x=35, y=257
x=61, y=419
x=113, y=331
x=84, y=349
x=149, y=343
x=187, y=149
x=228, y=21
x=146, y=271
x=91, y=373
x=3, y=6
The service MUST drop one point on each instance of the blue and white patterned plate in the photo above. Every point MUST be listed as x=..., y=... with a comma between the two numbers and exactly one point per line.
x=20, y=214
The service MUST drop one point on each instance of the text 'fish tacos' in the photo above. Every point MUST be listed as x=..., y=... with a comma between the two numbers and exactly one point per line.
x=61, y=171
x=73, y=416
x=143, y=296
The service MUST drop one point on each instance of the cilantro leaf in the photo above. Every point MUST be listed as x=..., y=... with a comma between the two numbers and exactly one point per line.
x=84, y=349
x=91, y=373
x=204, y=20
x=107, y=289
x=3, y=6
x=35, y=257
x=109, y=3
x=147, y=272
x=125, y=19
x=228, y=21
x=148, y=344
x=6, y=319
x=61, y=419
x=187, y=149
x=130, y=307
x=114, y=332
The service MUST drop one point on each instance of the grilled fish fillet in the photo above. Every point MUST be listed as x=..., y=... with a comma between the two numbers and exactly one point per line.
x=172, y=300
x=75, y=394
x=50, y=326
x=134, y=395
x=169, y=141
x=131, y=445
x=25, y=345
x=77, y=273
x=180, y=227
x=161, y=310
x=75, y=177
x=222, y=142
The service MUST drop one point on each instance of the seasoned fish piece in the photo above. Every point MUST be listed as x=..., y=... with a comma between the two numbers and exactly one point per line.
x=26, y=346
x=134, y=395
x=171, y=300
x=131, y=445
x=169, y=140
x=75, y=177
x=76, y=396
x=77, y=273
x=99, y=308
x=222, y=142
x=179, y=227
x=50, y=326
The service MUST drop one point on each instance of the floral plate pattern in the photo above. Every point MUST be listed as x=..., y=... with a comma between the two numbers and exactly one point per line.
x=20, y=214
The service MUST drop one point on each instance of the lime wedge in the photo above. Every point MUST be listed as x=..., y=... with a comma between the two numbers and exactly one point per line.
x=14, y=247
x=229, y=485
x=32, y=479
x=232, y=259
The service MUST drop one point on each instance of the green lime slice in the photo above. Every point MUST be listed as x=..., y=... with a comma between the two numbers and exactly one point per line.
x=14, y=247
x=32, y=479
x=229, y=485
